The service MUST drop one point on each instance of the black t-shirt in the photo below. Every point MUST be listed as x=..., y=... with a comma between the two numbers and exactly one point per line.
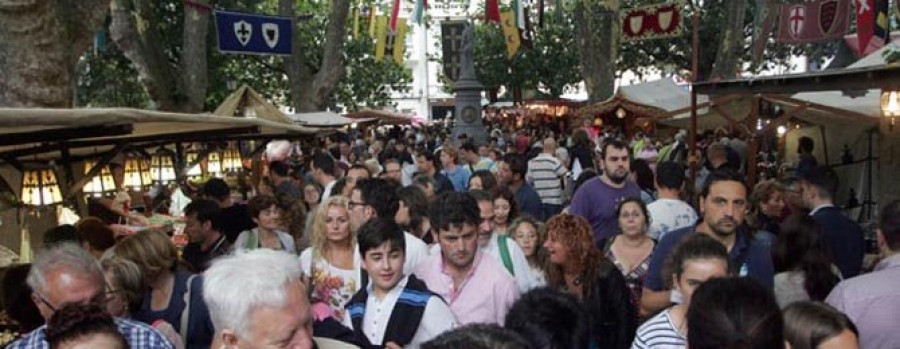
x=236, y=219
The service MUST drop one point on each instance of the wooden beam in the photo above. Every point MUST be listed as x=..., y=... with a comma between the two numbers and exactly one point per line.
x=860, y=117
x=865, y=78
x=784, y=117
x=65, y=134
x=714, y=101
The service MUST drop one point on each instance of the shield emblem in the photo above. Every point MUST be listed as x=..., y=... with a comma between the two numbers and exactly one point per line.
x=828, y=14
x=665, y=20
x=243, y=31
x=270, y=34
x=796, y=20
x=636, y=23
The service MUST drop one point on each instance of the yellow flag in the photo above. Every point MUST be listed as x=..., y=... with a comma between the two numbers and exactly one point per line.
x=510, y=32
x=355, y=21
x=380, y=37
x=400, y=40
x=372, y=20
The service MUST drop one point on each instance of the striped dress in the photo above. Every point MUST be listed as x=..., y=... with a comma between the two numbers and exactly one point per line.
x=659, y=333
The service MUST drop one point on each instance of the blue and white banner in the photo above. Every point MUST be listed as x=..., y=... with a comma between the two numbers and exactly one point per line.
x=253, y=34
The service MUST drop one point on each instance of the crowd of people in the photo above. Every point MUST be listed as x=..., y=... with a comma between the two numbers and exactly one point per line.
x=531, y=239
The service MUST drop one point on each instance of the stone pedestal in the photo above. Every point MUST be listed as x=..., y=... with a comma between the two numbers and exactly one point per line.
x=467, y=111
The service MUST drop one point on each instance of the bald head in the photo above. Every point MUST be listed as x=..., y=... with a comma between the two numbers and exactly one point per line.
x=549, y=145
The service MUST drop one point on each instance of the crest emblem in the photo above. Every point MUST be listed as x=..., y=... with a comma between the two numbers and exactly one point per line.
x=828, y=14
x=243, y=31
x=796, y=20
x=636, y=23
x=665, y=19
x=270, y=34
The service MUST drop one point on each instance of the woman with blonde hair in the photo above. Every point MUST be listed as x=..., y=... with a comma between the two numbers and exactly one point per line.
x=579, y=268
x=332, y=262
x=169, y=294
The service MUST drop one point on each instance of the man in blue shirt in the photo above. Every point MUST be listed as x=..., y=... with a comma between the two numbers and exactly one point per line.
x=511, y=173
x=723, y=203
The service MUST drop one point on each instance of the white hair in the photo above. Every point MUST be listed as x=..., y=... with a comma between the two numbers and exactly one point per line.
x=234, y=286
x=66, y=256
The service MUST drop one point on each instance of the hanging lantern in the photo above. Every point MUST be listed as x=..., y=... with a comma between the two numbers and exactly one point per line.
x=231, y=160
x=162, y=168
x=137, y=173
x=890, y=106
x=214, y=164
x=192, y=156
x=101, y=183
x=40, y=188
x=621, y=113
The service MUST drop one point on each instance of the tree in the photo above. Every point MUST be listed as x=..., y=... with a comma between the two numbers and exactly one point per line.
x=40, y=44
x=107, y=79
x=597, y=31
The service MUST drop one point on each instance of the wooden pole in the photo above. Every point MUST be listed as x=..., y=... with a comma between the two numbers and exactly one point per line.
x=753, y=145
x=693, y=159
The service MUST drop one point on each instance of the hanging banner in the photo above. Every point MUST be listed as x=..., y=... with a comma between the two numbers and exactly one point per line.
x=395, y=14
x=813, y=21
x=381, y=37
x=510, y=32
x=865, y=22
x=492, y=11
x=653, y=22
x=253, y=34
x=419, y=12
x=881, y=31
x=451, y=43
x=400, y=41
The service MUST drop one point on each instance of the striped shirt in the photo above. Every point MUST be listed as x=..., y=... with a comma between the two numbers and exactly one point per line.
x=544, y=173
x=138, y=335
x=659, y=333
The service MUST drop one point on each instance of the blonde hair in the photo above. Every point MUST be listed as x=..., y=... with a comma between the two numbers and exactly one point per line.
x=318, y=240
x=452, y=153
x=152, y=251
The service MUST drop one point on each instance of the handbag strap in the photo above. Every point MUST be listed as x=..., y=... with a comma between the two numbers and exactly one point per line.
x=186, y=313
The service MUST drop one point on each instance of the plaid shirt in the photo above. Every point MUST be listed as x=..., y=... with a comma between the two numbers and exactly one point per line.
x=137, y=334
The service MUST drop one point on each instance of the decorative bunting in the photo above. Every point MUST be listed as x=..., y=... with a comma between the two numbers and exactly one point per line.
x=492, y=11
x=813, y=21
x=419, y=12
x=881, y=32
x=395, y=14
x=380, y=37
x=865, y=22
x=653, y=22
x=400, y=41
x=510, y=32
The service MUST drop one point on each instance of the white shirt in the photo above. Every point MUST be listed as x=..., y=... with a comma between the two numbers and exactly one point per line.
x=326, y=193
x=668, y=215
x=331, y=284
x=813, y=212
x=416, y=252
x=436, y=319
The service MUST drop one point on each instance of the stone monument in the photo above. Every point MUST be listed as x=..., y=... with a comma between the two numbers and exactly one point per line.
x=468, y=93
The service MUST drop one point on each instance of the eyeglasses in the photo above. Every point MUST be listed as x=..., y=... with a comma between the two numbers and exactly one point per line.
x=100, y=299
x=354, y=204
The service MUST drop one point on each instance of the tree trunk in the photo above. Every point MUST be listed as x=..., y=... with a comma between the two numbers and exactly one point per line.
x=40, y=44
x=597, y=30
x=172, y=88
x=731, y=43
x=311, y=92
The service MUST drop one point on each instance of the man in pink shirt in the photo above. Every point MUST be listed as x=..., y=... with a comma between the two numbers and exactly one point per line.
x=478, y=288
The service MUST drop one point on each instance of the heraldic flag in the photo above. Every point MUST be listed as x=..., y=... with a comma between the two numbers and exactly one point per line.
x=813, y=21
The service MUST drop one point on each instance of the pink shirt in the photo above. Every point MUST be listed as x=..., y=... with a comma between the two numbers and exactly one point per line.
x=484, y=297
x=872, y=301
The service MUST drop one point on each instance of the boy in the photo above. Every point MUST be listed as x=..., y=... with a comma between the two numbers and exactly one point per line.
x=394, y=309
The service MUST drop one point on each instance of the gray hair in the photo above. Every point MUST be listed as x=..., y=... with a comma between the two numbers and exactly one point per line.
x=236, y=285
x=67, y=256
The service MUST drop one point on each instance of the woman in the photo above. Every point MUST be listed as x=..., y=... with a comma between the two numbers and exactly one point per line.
x=483, y=180
x=803, y=270
x=505, y=209
x=582, y=152
x=642, y=174
x=332, y=262
x=632, y=250
x=125, y=286
x=170, y=294
x=767, y=202
x=530, y=235
x=697, y=259
x=412, y=215
x=811, y=325
x=266, y=214
x=579, y=268
x=312, y=194
x=734, y=313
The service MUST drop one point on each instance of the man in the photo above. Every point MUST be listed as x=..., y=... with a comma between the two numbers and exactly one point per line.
x=473, y=160
x=322, y=167
x=257, y=300
x=807, y=160
x=724, y=205
x=457, y=175
x=425, y=163
x=716, y=158
x=872, y=300
x=392, y=170
x=669, y=213
x=477, y=287
x=394, y=308
x=235, y=216
x=511, y=173
x=546, y=173
x=501, y=248
x=355, y=174
x=377, y=198
x=280, y=173
x=203, y=224
x=64, y=274
x=552, y=317
x=426, y=183
x=845, y=237
x=596, y=199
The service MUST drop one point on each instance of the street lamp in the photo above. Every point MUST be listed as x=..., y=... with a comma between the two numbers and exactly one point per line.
x=100, y=184
x=890, y=106
x=137, y=173
x=40, y=187
x=162, y=165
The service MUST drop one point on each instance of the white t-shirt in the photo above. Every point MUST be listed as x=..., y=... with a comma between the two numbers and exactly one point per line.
x=416, y=252
x=436, y=319
x=667, y=215
x=330, y=284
